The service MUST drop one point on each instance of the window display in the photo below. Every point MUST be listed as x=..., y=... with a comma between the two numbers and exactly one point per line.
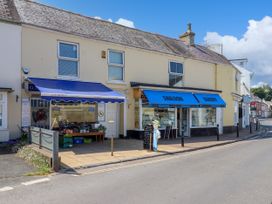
x=203, y=117
x=73, y=113
x=166, y=116
x=40, y=113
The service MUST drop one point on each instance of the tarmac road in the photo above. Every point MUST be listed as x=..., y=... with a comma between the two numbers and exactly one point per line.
x=235, y=173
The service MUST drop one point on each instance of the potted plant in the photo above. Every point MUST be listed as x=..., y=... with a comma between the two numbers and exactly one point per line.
x=102, y=128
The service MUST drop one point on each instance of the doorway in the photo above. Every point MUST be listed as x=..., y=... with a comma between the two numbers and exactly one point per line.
x=112, y=120
x=183, y=121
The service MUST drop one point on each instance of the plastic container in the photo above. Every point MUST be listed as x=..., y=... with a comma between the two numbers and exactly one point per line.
x=78, y=140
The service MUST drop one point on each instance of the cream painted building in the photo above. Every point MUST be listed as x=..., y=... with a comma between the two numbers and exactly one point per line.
x=60, y=45
x=10, y=78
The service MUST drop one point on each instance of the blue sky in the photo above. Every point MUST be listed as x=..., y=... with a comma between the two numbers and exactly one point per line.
x=170, y=17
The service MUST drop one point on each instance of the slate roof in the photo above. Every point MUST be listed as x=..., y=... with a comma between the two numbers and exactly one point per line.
x=36, y=14
x=8, y=11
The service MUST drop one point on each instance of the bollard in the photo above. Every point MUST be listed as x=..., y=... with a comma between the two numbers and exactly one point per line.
x=182, y=137
x=237, y=129
x=217, y=133
x=250, y=127
x=256, y=124
x=112, y=145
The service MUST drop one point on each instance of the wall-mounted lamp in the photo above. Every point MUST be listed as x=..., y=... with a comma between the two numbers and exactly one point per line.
x=25, y=70
x=103, y=54
x=17, y=98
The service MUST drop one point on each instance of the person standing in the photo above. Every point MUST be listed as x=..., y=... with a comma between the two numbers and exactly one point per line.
x=156, y=134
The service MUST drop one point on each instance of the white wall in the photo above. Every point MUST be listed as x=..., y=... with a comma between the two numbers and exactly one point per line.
x=10, y=77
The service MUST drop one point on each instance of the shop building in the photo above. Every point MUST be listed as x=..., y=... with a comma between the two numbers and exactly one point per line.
x=63, y=47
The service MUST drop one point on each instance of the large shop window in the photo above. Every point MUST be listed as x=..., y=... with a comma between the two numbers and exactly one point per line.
x=166, y=116
x=76, y=113
x=3, y=110
x=116, y=66
x=68, y=59
x=40, y=113
x=203, y=117
x=175, y=74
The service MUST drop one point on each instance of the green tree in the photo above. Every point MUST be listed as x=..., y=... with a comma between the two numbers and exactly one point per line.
x=263, y=92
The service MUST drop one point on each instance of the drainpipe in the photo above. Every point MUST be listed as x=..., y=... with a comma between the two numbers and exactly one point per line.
x=215, y=76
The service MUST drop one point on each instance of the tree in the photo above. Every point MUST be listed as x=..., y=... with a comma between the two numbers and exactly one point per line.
x=263, y=92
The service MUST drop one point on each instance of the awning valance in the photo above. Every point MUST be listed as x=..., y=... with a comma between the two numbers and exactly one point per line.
x=210, y=100
x=170, y=98
x=74, y=91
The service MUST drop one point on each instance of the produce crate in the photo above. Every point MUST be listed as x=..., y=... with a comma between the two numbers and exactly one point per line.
x=78, y=140
x=87, y=140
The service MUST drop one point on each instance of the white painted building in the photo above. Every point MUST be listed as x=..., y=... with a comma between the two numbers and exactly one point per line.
x=245, y=80
x=10, y=77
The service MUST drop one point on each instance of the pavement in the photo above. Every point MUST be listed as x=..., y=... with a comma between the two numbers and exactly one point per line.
x=98, y=153
x=236, y=173
x=12, y=168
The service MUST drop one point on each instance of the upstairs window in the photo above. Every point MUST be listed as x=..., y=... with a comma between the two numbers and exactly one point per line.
x=115, y=66
x=175, y=74
x=68, y=60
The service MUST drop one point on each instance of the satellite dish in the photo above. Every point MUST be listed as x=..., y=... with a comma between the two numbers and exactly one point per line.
x=25, y=70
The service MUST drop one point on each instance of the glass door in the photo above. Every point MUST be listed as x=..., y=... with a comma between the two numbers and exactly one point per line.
x=184, y=121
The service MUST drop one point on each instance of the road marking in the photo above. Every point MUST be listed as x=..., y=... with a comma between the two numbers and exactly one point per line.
x=6, y=188
x=35, y=181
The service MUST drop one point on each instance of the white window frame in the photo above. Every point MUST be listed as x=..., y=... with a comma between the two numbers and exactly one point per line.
x=69, y=59
x=175, y=73
x=116, y=65
x=4, y=103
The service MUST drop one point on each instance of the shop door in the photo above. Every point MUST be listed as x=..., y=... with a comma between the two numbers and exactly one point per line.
x=112, y=120
x=184, y=121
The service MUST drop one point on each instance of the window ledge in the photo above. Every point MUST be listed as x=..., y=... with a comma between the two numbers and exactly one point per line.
x=117, y=82
x=68, y=78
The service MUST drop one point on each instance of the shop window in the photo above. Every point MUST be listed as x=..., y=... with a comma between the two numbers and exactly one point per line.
x=73, y=114
x=175, y=74
x=203, y=117
x=40, y=113
x=68, y=60
x=115, y=66
x=166, y=116
x=3, y=110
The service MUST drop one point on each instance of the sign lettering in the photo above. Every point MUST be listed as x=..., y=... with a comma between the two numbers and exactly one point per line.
x=172, y=98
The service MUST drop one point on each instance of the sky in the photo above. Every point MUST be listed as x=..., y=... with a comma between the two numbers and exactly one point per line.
x=243, y=27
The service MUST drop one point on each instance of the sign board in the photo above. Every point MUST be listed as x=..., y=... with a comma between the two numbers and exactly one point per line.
x=26, y=120
x=101, y=112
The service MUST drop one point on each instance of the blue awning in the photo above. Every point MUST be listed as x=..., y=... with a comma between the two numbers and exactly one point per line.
x=210, y=100
x=74, y=91
x=170, y=98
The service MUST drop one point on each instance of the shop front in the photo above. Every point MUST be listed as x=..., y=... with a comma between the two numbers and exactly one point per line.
x=187, y=113
x=84, y=111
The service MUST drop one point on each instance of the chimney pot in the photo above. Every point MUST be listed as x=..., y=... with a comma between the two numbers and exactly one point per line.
x=189, y=36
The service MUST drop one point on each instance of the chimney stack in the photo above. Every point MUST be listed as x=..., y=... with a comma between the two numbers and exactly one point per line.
x=188, y=37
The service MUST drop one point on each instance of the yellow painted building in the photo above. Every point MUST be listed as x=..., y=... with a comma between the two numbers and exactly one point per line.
x=61, y=45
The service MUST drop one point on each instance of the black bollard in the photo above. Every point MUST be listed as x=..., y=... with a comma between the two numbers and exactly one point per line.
x=217, y=133
x=182, y=137
x=237, y=129
x=257, y=124
x=250, y=127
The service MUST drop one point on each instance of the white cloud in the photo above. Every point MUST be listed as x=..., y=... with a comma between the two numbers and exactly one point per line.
x=255, y=45
x=125, y=22
x=259, y=84
x=120, y=21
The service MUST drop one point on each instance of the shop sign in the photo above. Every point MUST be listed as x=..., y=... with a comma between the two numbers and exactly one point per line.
x=209, y=99
x=32, y=88
x=101, y=112
x=172, y=98
x=26, y=120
